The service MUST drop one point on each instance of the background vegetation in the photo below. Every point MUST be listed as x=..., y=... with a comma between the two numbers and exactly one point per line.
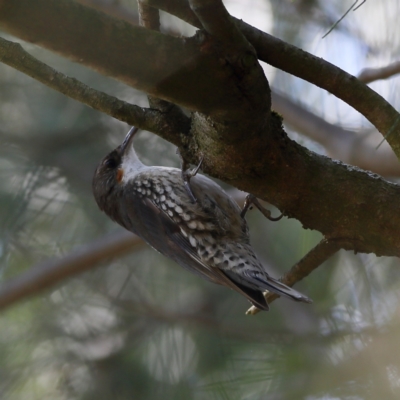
x=140, y=327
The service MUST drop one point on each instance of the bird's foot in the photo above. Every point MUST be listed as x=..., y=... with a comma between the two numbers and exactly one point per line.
x=252, y=200
x=188, y=174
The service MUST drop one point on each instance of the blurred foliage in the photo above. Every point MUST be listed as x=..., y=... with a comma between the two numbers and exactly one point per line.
x=140, y=327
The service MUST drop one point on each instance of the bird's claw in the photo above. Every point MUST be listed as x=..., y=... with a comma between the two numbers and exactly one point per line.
x=252, y=200
x=188, y=174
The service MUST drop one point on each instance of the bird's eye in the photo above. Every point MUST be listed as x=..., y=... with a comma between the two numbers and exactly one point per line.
x=110, y=163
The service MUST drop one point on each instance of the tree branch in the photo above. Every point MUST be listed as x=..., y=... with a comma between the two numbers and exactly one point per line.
x=217, y=22
x=149, y=17
x=160, y=65
x=114, y=9
x=369, y=75
x=341, y=144
x=127, y=65
x=336, y=81
x=312, y=69
x=169, y=125
x=52, y=272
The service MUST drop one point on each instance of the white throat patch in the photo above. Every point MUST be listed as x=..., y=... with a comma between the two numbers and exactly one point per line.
x=130, y=165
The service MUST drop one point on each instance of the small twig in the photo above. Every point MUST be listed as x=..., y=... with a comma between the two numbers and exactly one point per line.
x=369, y=75
x=356, y=8
x=312, y=260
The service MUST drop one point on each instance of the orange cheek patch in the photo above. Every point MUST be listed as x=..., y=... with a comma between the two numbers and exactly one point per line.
x=120, y=175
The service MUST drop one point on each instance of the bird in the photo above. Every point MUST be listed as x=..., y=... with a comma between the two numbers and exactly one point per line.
x=187, y=217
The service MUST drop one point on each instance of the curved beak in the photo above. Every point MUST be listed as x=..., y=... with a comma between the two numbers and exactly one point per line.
x=128, y=139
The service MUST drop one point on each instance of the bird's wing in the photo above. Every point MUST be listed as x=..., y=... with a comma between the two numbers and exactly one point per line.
x=161, y=232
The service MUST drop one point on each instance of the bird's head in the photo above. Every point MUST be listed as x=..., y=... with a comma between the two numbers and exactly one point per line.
x=110, y=173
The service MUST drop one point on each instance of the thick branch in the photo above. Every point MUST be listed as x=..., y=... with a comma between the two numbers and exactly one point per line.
x=50, y=23
x=313, y=69
x=160, y=65
x=168, y=124
x=341, y=144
